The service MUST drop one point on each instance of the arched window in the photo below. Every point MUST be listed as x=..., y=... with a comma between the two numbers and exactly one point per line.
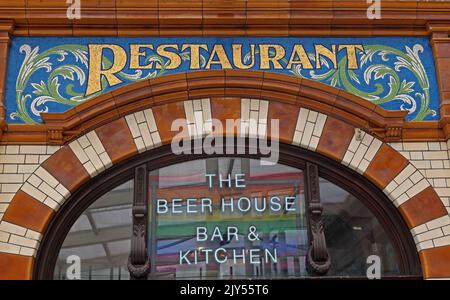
x=162, y=216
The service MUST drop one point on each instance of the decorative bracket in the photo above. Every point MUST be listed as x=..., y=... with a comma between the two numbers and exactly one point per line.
x=318, y=260
x=388, y=134
x=55, y=136
x=138, y=261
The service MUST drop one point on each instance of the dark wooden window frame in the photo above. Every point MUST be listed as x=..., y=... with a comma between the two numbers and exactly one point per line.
x=386, y=213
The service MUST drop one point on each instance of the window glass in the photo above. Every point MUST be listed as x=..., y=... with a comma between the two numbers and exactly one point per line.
x=100, y=238
x=226, y=218
x=188, y=204
x=353, y=235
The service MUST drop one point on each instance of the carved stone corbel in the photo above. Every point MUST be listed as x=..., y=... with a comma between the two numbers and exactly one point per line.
x=388, y=134
x=393, y=134
x=55, y=136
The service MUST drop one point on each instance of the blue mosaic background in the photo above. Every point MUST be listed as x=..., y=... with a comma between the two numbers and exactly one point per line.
x=49, y=74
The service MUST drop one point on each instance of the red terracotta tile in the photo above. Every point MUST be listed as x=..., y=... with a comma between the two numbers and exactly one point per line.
x=385, y=166
x=224, y=109
x=436, y=262
x=336, y=136
x=27, y=212
x=442, y=50
x=165, y=115
x=117, y=140
x=423, y=207
x=65, y=166
x=15, y=267
x=286, y=115
x=443, y=72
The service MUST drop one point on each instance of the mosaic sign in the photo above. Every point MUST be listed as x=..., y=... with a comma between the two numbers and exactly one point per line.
x=54, y=74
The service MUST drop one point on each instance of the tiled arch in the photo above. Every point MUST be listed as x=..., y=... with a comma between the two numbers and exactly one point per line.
x=331, y=133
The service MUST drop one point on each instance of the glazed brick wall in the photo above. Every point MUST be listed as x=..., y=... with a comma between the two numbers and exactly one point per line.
x=414, y=176
x=433, y=160
x=17, y=163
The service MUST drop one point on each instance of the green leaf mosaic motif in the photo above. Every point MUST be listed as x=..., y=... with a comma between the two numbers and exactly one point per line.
x=54, y=79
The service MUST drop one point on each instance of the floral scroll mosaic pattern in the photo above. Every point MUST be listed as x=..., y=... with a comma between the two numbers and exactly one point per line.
x=51, y=74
